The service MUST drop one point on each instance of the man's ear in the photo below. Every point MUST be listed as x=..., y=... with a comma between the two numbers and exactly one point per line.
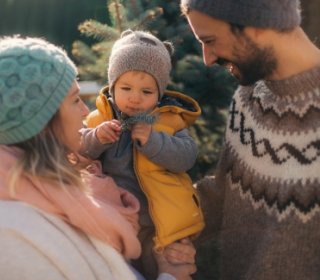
x=257, y=35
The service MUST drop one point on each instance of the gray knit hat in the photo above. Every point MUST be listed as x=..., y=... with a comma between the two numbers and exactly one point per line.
x=35, y=76
x=274, y=14
x=140, y=51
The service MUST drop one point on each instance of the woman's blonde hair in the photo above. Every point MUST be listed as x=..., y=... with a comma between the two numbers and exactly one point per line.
x=46, y=157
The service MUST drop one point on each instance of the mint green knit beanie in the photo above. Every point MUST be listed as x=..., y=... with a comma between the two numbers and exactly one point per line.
x=35, y=76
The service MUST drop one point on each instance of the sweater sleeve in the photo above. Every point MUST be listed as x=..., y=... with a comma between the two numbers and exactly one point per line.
x=166, y=276
x=161, y=276
x=177, y=153
x=35, y=245
x=211, y=195
x=19, y=259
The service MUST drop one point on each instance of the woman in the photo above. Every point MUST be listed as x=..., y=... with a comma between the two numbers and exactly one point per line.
x=53, y=225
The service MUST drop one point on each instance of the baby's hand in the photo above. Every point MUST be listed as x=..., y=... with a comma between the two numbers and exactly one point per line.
x=108, y=132
x=141, y=132
x=177, y=259
x=180, y=252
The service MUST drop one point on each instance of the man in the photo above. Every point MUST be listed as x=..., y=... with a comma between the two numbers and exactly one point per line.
x=266, y=194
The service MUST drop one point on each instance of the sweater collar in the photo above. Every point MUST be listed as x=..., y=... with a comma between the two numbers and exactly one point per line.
x=296, y=94
x=298, y=84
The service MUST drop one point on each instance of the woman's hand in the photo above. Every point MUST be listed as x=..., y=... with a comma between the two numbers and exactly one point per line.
x=178, y=259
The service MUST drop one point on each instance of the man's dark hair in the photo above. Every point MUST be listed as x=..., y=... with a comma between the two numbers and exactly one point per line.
x=236, y=29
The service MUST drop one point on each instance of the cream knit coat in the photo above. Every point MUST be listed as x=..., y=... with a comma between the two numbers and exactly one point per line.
x=35, y=245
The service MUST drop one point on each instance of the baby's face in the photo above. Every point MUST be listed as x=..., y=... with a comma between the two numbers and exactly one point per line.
x=136, y=92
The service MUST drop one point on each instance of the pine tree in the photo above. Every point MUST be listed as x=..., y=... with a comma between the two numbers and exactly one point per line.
x=121, y=15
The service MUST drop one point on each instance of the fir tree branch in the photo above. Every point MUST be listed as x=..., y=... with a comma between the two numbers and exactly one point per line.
x=151, y=15
x=118, y=17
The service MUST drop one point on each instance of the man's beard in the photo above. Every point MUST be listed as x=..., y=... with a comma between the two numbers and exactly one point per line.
x=260, y=64
x=253, y=63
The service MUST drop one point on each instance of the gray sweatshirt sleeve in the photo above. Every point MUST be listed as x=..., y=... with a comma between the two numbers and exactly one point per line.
x=90, y=145
x=177, y=153
x=166, y=276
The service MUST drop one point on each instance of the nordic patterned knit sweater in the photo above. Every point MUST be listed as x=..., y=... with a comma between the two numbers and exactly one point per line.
x=266, y=195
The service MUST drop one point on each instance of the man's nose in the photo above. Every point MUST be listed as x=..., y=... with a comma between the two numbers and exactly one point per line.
x=209, y=57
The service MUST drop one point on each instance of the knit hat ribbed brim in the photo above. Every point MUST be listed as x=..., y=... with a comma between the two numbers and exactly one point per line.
x=274, y=14
x=35, y=77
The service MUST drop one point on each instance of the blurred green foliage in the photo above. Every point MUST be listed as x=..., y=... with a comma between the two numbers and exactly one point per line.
x=55, y=20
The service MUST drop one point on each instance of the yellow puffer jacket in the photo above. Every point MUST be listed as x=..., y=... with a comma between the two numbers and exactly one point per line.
x=173, y=202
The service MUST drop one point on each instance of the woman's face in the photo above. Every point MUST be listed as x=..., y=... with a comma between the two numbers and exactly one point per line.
x=70, y=118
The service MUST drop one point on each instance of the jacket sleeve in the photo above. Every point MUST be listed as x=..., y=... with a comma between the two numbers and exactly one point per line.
x=177, y=153
x=90, y=145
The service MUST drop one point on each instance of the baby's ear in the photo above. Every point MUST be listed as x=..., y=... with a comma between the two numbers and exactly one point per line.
x=169, y=47
x=126, y=33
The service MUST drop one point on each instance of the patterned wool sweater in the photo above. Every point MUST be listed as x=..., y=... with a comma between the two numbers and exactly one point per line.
x=267, y=191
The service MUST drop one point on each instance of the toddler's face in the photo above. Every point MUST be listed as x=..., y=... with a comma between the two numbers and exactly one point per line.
x=136, y=92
